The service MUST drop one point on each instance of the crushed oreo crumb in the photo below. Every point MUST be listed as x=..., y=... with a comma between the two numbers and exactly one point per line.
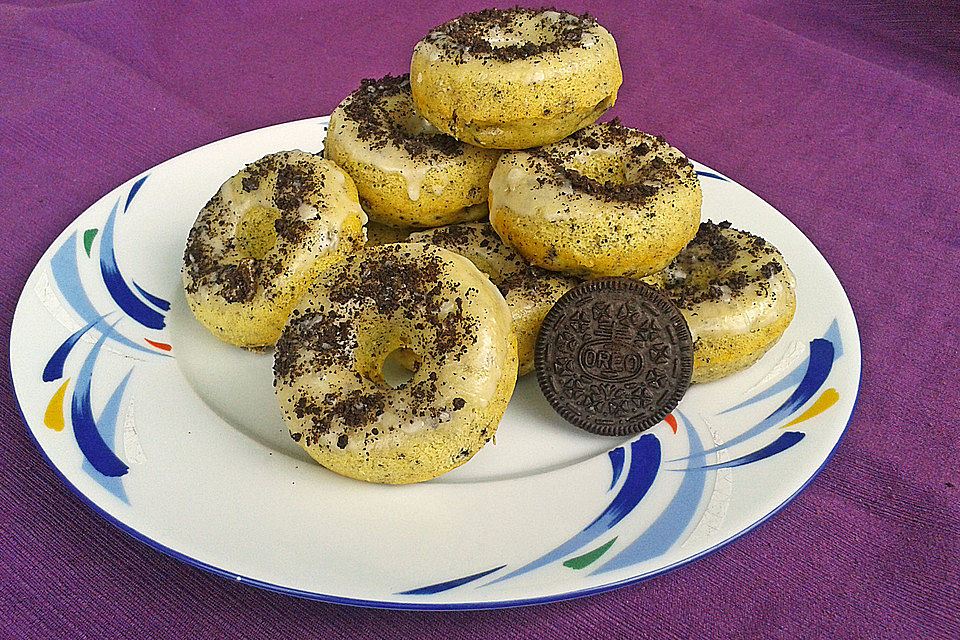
x=701, y=271
x=239, y=281
x=650, y=175
x=312, y=340
x=379, y=126
x=291, y=228
x=467, y=35
x=351, y=410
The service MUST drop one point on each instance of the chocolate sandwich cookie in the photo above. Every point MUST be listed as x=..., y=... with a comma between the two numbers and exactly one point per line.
x=614, y=356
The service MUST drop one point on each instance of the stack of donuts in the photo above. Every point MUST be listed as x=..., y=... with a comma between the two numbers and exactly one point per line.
x=450, y=209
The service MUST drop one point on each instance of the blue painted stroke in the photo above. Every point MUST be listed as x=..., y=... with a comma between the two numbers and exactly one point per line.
x=66, y=273
x=666, y=530
x=795, y=376
x=789, y=380
x=449, y=584
x=133, y=191
x=784, y=442
x=710, y=174
x=644, y=464
x=616, y=461
x=833, y=335
x=117, y=286
x=159, y=303
x=85, y=430
x=54, y=367
x=107, y=426
x=819, y=365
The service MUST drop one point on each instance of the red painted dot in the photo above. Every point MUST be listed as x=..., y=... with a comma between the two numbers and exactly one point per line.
x=670, y=420
x=165, y=347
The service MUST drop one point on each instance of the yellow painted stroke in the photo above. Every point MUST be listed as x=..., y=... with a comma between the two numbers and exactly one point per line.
x=53, y=417
x=826, y=400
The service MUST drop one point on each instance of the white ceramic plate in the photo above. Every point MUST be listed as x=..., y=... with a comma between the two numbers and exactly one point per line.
x=176, y=438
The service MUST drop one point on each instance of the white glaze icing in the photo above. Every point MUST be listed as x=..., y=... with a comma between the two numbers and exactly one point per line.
x=325, y=211
x=473, y=377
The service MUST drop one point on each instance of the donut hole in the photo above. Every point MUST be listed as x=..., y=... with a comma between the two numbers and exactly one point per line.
x=384, y=356
x=539, y=30
x=256, y=232
x=696, y=271
x=396, y=375
x=700, y=276
x=603, y=167
x=614, y=170
x=401, y=113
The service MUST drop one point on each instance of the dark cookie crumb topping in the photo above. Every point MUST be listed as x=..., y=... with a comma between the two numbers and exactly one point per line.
x=466, y=35
x=613, y=135
x=241, y=276
x=311, y=340
x=239, y=281
x=378, y=126
x=703, y=263
x=353, y=410
x=391, y=281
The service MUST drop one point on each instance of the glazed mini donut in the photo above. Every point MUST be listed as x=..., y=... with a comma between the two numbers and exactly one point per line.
x=607, y=201
x=328, y=366
x=735, y=292
x=530, y=291
x=515, y=78
x=407, y=172
x=262, y=238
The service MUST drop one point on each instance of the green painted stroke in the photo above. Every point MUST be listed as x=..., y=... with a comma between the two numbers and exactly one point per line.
x=88, y=237
x=590, y=556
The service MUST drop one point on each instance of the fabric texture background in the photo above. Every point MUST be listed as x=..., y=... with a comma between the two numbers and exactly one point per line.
x=844, y=116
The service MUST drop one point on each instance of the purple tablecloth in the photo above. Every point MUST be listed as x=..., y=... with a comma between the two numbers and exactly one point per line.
x=847, y=119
